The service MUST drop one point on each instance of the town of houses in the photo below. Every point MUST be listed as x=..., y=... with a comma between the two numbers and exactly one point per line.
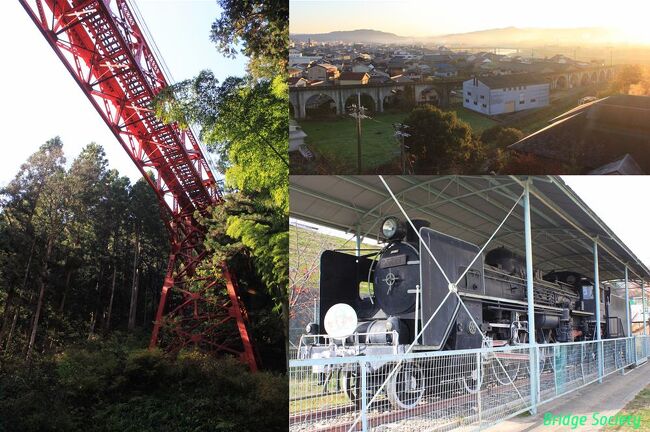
x=484, y=73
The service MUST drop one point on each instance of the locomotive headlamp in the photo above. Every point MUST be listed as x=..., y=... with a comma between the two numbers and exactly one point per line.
x=312, y=328
x=340, y=321
x=392, y=229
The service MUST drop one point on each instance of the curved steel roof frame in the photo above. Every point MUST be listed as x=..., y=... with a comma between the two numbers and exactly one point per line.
x=564, y=228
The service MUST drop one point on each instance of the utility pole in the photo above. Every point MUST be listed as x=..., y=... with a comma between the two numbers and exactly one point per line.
x=358, y=112
x=400, y=134
x=359, y=133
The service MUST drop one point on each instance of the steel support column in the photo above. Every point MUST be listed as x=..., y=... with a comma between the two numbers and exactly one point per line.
x=628, y=322
x=597, y=297
x=533, y=365
x=627, y=306
x=645, y=333
x=643, y=304
x=357, y=238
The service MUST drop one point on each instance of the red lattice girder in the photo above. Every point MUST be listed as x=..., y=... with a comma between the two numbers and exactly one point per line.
x=101, y=44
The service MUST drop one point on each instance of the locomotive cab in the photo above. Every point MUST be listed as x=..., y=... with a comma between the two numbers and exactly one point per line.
x=381, y=287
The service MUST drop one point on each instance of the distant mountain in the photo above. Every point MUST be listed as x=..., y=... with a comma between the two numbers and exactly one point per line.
x=505, y=37
x=352, y=36
x=514, y=36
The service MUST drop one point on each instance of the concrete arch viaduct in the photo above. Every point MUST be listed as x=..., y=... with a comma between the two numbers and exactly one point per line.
x=436, y=92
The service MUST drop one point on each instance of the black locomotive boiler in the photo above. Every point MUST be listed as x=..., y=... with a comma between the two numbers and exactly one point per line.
x=397, y=290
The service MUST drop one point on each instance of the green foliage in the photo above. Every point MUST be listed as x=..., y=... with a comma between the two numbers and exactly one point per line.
x=499, y=137
x=244, y=120
x=111, y=386
x=261, y=27
x=627, y=77
x=441, y=143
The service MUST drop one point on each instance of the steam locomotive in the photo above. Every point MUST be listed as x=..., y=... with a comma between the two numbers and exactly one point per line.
x=394, y=292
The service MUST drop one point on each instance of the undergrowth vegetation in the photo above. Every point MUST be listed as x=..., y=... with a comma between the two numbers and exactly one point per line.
x=115, y=385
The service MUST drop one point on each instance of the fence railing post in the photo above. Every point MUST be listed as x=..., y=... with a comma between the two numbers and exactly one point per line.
x=478, y=394
x=601, y=360
x=539, y=375
x=364, y=396
x=555, y=367
x=582, y=362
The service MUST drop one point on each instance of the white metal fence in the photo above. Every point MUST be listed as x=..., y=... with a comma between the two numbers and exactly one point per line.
x=445, y=390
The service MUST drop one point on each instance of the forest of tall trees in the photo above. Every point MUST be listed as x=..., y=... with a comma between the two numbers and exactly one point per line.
x=82, y=252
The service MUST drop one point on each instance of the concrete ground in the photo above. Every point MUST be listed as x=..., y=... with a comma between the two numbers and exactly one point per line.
x=606, y=399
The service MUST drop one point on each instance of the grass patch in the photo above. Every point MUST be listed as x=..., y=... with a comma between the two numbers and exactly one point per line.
x=639, y=406
x=477, y=121
x=306, y=394
x=336, y=139
x=533, y=120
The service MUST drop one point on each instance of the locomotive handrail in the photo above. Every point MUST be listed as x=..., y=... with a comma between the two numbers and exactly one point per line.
x=329, y=340
x=428, y=354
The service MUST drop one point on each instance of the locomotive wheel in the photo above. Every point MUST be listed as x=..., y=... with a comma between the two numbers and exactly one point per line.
x=511, y=369
x=406, y=387
x=472, y=383
x=351, y=383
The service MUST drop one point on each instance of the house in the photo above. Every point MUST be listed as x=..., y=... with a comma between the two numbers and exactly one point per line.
x=493, y=95
x=361, y=67
x=322, y=72
x=377, y=77
x=396, y=66
x=445, y=70
x=295, y=71
x=297, y=82
x=434, y=59
x=401, y=79
x=354, y=78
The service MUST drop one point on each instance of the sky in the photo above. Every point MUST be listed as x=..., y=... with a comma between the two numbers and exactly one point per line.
x=41, y=99
x=618, y=200
x=621, y=202
x=435, y=17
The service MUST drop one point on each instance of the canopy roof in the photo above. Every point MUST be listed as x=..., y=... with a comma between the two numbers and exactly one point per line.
x=471, y=208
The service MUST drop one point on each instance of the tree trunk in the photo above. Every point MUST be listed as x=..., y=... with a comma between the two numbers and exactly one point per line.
x=13, y=326
x=39, y=305
x=11, y=294
x=93, y=316
x=134, y=284
x=285, y=329
x=68, y=276
x=107, y=323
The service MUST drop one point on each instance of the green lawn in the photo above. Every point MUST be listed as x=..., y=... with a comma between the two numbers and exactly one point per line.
x=336, y=140
x=477, y=121
x=533, y=120
x=639, y=406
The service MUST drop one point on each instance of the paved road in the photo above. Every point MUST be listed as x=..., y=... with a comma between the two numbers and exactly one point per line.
x=606, y=399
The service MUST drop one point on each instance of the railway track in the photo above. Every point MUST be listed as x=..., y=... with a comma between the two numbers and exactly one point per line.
x=342, y=418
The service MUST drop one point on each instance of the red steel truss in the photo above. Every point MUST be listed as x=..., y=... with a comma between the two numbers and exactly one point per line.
x=102, y=45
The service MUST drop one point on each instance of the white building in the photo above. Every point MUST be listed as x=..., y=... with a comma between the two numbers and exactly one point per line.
x=505, y=94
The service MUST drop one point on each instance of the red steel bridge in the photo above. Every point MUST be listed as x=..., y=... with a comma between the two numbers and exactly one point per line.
x=103, y=44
